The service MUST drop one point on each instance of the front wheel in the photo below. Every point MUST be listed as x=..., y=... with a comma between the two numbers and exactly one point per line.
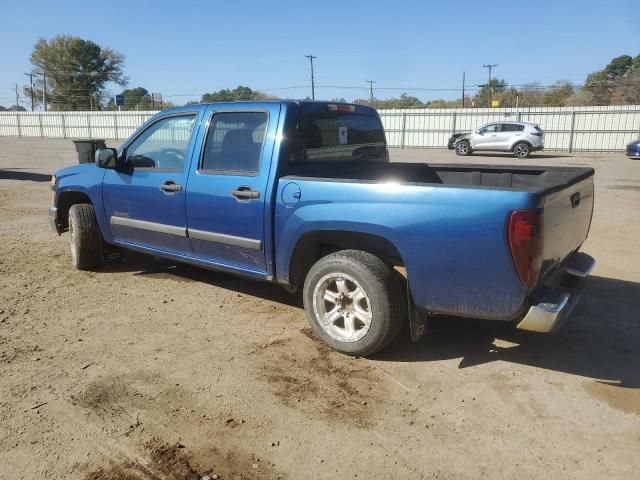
x=354, y=302
x=85, y=240
x=521, y=150
x=463, y=148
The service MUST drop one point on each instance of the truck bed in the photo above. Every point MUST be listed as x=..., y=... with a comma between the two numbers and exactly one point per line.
x=452, y=238
x=541, y=180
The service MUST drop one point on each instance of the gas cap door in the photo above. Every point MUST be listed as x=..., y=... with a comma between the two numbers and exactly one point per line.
x=291, y=194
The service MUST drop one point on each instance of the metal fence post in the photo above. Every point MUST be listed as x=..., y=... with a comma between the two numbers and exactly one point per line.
x=89, y=124
x=64, y=129
x=115, y=122
x=519, y=116
x=453, y=123
x=402, y=132
x=40, y=123
x=18, y=124
x=573, y=125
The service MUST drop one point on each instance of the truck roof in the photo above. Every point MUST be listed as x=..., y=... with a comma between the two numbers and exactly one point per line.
x=306, y=105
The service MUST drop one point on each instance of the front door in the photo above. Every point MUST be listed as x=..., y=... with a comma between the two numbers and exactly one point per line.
x=145, y=205
x=227, y=190
x=486, y=138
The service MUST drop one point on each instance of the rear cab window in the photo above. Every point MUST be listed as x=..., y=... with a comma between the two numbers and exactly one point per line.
x=336, y=133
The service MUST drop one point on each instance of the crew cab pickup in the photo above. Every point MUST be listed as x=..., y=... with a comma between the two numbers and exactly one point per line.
x=303, y=194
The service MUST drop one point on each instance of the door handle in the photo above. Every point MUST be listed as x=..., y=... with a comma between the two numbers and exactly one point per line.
x=170, y=187
x=244, y=194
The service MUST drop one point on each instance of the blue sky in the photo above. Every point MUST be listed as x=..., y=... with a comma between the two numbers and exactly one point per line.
x=183, y=49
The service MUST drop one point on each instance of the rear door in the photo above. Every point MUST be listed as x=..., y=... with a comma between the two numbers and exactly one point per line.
x=225, y=201
x=145, y=205
x=507, y=134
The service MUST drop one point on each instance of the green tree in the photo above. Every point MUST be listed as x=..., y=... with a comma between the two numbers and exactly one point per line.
x=618, y=67
x=598, y=84
x=557, y=94
x=238, y=93
x=404, y=101
x=483, y=96
x=77, y=72
x=13, y=108
x=626, y=90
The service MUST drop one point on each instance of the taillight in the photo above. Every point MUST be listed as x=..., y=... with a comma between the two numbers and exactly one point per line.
x=525, y=242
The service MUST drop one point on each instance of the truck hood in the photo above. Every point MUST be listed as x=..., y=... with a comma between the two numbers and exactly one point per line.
x=74, y=170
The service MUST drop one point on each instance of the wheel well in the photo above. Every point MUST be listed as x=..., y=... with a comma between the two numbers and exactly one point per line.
x=65, y=200
x=315, y=245
x=522, y=141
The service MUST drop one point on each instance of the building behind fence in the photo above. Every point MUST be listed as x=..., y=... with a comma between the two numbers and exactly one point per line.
x=566, y=128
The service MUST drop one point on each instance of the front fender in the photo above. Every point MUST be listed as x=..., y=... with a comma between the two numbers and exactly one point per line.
x=87, y=180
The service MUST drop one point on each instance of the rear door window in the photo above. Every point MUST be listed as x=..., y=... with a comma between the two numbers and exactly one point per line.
x=234, y=142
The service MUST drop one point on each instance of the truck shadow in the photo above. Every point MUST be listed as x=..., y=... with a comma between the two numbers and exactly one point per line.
x=21, y=174
x=600, y=341
x=534, y=155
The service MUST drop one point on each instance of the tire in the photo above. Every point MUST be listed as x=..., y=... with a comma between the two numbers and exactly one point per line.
x=463, y=148
x=521, y=150
x=365, y=296
x=85, y=240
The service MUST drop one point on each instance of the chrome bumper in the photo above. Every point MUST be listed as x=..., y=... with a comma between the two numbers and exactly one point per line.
x=555, y=304
x=53, y=220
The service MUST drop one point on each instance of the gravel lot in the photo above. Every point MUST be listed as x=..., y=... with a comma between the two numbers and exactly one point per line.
x=148, y=370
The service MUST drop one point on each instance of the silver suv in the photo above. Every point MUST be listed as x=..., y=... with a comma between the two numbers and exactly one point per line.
x=521, y=138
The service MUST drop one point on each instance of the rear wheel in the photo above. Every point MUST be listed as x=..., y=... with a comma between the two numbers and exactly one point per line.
x=463, y=148
x=521, y=150
x=354, y=302
x=85, y=240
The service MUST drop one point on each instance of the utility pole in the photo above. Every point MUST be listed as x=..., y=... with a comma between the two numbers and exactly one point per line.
x=17, y=96
x=44, y=91
x=463, y=74
x=370, y=82
x=490, y=67
x=313, y=85
x=30, y=75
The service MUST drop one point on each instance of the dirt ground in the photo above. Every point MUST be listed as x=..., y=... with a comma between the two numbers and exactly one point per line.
x=149, y=370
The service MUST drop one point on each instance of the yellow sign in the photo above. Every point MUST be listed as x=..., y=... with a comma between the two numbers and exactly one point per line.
x=495, y=103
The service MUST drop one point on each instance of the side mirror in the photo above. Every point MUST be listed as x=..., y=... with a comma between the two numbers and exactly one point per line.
x=106, y=158
x=479, y=132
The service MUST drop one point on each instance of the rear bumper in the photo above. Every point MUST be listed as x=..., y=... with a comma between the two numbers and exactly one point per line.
x=554, y=304
x=53, y=220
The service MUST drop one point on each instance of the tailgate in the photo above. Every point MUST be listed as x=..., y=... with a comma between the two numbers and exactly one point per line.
x=566, y=221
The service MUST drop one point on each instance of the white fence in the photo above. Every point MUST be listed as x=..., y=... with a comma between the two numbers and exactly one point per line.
x=71, y=124
x=566, y=128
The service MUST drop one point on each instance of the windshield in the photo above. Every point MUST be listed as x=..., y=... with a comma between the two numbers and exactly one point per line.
x=337, y=137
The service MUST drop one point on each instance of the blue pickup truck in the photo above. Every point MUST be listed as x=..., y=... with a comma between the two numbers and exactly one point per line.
x=303, y=194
